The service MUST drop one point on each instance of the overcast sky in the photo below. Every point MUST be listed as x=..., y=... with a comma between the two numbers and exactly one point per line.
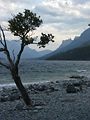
x=63, y=18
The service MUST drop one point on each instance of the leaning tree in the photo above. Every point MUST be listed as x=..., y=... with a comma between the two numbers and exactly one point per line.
x=22, y=25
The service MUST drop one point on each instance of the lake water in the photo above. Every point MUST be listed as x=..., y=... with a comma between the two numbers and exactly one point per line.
x=40, y=71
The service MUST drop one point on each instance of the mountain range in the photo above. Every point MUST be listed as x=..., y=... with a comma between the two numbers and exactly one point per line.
x=14, y=47
x=77, y=49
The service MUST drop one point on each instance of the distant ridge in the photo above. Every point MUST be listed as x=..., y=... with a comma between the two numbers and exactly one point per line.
x=27, y=53
x=80, y=53
x=72, y=50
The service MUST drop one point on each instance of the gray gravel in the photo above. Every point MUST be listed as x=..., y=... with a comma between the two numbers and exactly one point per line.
x=50, y=103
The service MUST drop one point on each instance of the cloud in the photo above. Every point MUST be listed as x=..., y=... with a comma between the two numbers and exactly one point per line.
x=71, y=15
x=80, y=1
x=63, y=18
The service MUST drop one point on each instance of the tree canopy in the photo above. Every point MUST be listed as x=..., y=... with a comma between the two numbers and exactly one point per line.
x=23, y=23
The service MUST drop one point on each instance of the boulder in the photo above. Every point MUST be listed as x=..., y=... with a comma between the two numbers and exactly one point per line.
x=41, y=88
x=71, y=89
x=4, y=99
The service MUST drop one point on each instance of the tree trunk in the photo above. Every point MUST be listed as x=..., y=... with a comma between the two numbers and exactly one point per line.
x=22, y=90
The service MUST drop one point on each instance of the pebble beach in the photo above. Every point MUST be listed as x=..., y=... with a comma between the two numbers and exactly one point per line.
x=50, y=102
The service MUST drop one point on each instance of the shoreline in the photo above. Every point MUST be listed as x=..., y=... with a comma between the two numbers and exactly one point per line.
x=74, y=78
x=9, y=85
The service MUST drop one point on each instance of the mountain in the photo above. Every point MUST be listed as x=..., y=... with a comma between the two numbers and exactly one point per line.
x=80, y=53
x=64, y=43
x=14, y=47
x=69, y=45
x=60, y=49
x=83, y=39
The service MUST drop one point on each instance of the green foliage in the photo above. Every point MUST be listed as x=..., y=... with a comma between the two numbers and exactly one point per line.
x=45, y=39
x=24, y=23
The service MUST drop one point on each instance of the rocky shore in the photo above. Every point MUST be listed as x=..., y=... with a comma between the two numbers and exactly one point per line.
x=51, y=101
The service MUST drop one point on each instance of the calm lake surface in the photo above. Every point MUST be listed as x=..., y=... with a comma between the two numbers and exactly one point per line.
x=41, y=71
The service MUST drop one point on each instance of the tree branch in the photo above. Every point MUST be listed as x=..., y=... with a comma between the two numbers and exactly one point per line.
x=1, y=40
x=28, y=32
x=34, y=43
x=3, y=37
x=5, y=47
x=2, y=49
x=19, y=54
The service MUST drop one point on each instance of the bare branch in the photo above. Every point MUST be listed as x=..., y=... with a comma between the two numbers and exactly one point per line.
x=3, y=37
x=1, y=40
x=2, y=43
x=5, y=47
x=3, y=64
x=9, y=58
x=28, y=32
